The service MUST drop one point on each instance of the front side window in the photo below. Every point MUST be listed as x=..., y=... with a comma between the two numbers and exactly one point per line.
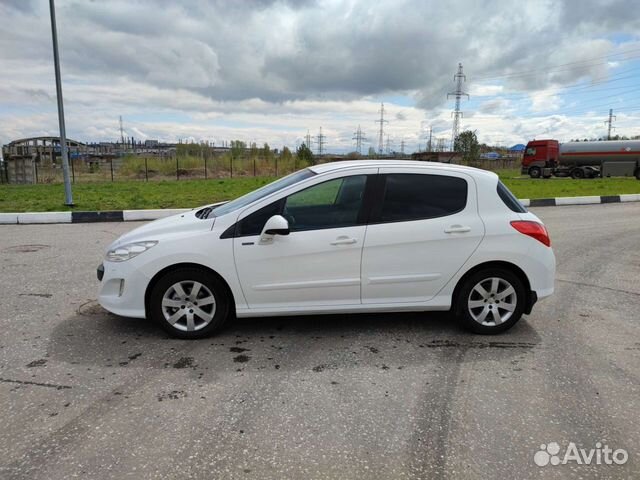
x=410, y=197
x=254, y=223
x=530, y=151
x=332, y=204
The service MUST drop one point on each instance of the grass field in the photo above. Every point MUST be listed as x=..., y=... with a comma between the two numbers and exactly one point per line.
x=126, y=195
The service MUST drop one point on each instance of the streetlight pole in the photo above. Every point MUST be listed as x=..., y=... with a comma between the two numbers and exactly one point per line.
x=68, y=197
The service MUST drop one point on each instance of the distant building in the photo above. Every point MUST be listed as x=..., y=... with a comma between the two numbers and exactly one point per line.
x=21, y=156
x=151, y=143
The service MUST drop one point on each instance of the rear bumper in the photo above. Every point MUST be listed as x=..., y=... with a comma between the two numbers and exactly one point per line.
x=531, y=301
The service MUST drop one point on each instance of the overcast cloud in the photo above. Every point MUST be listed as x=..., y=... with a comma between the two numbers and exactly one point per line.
x=268, y=70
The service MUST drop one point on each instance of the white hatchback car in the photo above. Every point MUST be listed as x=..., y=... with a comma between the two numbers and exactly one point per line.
x=344, y=237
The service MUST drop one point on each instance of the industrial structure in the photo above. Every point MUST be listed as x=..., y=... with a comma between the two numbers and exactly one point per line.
x=24, y=157
x=609, y=122
x=321, y=140
x=381, y=121
x=458, y=78
x=360, y=138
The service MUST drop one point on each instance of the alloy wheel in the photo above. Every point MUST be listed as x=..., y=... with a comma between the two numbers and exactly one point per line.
x=492, y=301
x=188, y=305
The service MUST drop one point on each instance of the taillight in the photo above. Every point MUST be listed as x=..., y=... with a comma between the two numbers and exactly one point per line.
x=533, y=229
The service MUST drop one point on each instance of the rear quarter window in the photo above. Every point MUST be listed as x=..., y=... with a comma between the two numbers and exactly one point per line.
x=509, y=199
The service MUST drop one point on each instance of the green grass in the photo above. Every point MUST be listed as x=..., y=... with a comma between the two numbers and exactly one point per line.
x=135, y=194
x=525, y=187
x=126, y=195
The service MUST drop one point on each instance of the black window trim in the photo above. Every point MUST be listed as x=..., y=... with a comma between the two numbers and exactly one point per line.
x=368, y=201
x=376, y=211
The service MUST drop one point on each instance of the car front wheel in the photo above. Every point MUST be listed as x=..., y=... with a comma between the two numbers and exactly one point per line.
x=189, y=303
x=490, y=301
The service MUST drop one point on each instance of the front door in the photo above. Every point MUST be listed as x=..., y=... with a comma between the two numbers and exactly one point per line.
x=318, y=263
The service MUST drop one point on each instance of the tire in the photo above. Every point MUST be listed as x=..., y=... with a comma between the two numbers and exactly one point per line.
x=638, y=174
x=535, y=172
x=172, y=294
x=475, y=310
x=577, y=173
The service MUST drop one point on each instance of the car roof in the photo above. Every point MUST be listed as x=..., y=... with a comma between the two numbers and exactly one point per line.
x=341, y=165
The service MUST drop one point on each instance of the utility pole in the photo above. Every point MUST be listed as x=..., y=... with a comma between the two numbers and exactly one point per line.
x=382, y=121
x=402, y=147
x=68, y=196
x=121, y=132
x=609, y=122
x=359, y=137
x=429, y=147
x=388, y=147
x=321, y=141
x=458, y=94
x=308, y=139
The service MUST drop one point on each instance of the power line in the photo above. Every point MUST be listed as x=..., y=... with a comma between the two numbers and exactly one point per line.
x=382, y=121
x=459, y=77
x=588, y=63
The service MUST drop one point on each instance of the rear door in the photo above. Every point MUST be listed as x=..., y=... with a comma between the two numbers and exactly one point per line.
x=423, y=228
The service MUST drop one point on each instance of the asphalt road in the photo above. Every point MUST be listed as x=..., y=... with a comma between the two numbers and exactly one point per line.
x=90, y=395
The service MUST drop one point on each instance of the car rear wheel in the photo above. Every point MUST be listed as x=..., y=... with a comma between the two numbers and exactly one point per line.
x=577, y=173
x=189, y=303
x=491, y=301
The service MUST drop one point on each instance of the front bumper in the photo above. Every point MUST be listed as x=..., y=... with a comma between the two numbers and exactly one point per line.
x=122, y=289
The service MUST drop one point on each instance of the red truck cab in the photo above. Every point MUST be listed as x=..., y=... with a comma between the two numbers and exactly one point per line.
x=539, y=154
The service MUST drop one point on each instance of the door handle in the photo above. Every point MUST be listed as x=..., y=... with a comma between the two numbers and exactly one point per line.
x=344, y=241
x=457, y=229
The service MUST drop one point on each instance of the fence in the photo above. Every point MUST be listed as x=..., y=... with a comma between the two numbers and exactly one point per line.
x=184, y=167
x=167, y=168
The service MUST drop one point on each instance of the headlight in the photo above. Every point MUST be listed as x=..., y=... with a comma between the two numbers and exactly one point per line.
x=129, y=250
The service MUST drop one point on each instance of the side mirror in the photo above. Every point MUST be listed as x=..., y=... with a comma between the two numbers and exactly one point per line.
x=276, y=225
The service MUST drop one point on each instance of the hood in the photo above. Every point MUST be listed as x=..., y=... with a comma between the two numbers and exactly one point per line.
x=179, y=223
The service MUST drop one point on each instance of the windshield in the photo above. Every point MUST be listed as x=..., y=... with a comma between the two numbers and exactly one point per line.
x=262, y=192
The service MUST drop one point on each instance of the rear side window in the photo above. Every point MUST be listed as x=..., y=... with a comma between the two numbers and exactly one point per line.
x=420, y=196
x=509, y=199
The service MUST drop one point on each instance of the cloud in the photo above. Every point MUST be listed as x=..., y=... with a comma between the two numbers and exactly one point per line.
x=278, y=67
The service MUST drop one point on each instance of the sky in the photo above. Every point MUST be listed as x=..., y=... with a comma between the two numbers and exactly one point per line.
x=268, y=71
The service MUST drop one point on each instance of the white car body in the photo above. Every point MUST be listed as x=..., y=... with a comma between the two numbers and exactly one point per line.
x=401, y=266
